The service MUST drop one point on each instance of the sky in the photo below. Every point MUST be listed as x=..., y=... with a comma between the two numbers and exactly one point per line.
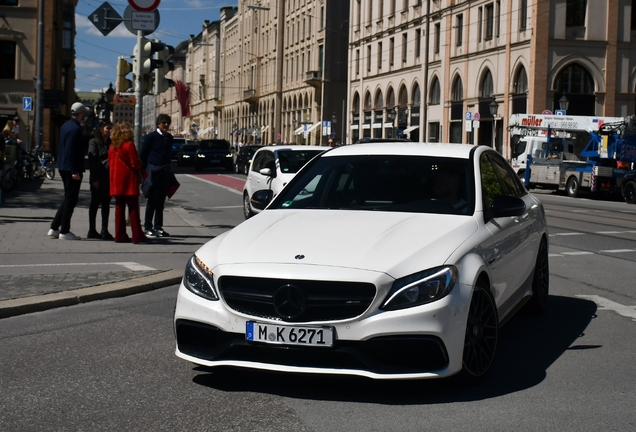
x=96, y=54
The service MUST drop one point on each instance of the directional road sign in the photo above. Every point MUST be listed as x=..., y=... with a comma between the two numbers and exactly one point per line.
x=105, y=18
x=27, y=103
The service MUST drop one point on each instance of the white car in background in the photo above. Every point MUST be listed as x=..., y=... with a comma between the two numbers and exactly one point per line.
x=382, y=260
x=272, y=168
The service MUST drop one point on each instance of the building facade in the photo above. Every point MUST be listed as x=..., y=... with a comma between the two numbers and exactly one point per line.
x=424, y=68
x=18, y=45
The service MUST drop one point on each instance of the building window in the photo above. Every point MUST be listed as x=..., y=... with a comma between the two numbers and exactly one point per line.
x=523, y=14
x=357, y=62
x=490, y=17
x=457, y=93
x=8, y=54
x=418, y=42
x=487, y=86
x=435, y=92
x=321, y=50
x=459, y=25
x=404, y=45
x=392, y=7
x=433, y=132
x=8, y=2
x=479, y=23
x=379, y=55
x=575, y=13
x=391, y=50
x=369, y=58
x=436, y=38
x=67, y=35
x=498, y=19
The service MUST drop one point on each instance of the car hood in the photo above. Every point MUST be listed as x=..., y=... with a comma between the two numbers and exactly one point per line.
x=388, y=242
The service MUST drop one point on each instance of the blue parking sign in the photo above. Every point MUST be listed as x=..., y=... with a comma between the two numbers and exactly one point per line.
x=469, y=115
x=27, y=103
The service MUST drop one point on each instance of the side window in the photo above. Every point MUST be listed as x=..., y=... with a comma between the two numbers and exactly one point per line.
x=510, y=183
x=258, y=164
x=490, y=186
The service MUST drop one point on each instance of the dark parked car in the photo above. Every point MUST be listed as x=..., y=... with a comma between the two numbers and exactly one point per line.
x=214, y=153
x=244, y=158
x=187, y=154
x=177, y=143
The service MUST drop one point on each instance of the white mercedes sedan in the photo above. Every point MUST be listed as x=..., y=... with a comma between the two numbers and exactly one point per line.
x=384, y=260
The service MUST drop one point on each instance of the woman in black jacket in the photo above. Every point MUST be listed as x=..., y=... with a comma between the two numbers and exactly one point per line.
x=99, y=180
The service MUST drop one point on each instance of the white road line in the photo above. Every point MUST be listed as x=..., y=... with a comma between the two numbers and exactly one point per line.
x=578, y=253
x=609, y=232
x=617, y=250
x=222, y=207
x=567, y=234
x=605, y=304
x=128, y=264
x=554, y=255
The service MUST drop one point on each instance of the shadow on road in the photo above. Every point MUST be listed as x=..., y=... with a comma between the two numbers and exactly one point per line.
x=527, y=347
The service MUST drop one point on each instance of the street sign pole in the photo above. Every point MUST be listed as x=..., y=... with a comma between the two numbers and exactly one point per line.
x=138, y=93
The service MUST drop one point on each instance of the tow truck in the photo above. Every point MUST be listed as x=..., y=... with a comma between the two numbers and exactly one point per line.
x=610, y=152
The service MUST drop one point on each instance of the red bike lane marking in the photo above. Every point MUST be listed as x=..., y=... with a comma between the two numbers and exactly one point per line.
x=224, y=180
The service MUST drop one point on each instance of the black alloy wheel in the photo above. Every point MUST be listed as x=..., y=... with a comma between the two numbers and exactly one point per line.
x=482, y=333
x=538, y=303
x=629, y=192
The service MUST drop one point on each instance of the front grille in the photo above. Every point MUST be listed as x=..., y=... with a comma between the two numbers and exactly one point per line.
x=323, y=300
x=382, y=355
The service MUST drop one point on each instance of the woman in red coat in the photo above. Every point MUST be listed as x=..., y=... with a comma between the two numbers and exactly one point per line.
x=124, y=166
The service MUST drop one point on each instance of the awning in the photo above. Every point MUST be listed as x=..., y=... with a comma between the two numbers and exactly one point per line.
x=377, y=125
x=184, y=132
x=314, y=127
x=409, y=129
x=251, y=131
x=264, y=128
x=354, y=126
x=204, y=131
x=299, y=130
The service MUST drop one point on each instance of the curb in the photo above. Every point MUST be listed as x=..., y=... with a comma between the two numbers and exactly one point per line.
x=21, y=306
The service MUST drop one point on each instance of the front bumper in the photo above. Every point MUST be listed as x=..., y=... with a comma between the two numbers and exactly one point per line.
x=420, y=342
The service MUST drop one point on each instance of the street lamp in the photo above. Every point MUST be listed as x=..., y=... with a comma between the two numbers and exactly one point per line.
x=494, y=106
x=564, y=102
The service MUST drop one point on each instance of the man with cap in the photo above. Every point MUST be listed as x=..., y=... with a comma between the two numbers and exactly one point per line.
x=70, y=164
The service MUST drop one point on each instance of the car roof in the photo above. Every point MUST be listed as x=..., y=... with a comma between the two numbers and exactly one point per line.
x=294, y=147
x=459, y=151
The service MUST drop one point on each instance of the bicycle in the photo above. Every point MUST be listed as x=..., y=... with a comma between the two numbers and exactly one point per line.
x=43, y=164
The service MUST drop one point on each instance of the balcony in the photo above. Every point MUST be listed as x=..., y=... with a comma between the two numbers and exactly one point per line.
x=314, y=79
x=250, y=96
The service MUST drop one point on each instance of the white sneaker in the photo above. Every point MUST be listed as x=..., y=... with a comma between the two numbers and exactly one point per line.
x=69, y=236
x=53, y=233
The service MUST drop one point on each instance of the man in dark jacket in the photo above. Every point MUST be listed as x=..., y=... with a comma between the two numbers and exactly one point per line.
x=156, y=152
x=70, y=164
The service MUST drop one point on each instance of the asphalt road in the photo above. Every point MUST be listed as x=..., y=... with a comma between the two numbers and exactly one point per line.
x=109, y=365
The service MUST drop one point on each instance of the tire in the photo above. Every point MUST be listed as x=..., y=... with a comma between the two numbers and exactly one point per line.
x=247, y=210
x=629, y=192
x=538, y=303
x=572, y=187
x=49, y=167
x=482, y=334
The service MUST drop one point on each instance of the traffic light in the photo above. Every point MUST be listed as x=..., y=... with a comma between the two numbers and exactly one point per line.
x=144, y=54
x=123, y=84
x=161, y=82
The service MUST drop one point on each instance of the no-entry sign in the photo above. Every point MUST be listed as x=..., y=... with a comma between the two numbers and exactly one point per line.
x=144, y=5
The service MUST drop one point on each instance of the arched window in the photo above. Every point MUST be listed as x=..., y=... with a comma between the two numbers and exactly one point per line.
x=367, y=102
x=457, y=92
x=379, y=101
x=487, y=85
x=417, y=97
x=355, y=107
x=435, y=93
x=576, y=84
x=403, y=98
x=520, y=92
x=521, y=81
x=390, y=99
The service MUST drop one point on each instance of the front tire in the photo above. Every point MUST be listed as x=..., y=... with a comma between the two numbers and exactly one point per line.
x=247, y=209
x=482, y=333
x=538, y=303
x=572, y=187
x=49, y=167
x=629, y=192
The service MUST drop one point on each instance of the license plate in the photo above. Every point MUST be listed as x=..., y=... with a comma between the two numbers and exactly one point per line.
x=289, y=335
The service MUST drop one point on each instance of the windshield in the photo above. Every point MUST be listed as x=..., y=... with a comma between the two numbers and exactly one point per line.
x=416, y=184
x=216, y=145
x=190, y=147
x=291, y=161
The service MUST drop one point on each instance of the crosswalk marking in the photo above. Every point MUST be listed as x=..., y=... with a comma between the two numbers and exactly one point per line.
x=605, y=304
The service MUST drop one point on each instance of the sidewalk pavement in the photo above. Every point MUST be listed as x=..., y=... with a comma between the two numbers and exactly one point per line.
x=39, y=273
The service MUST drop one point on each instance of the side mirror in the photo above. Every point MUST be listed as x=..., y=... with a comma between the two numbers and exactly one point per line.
x=261, y=199
x=266, y=171
x=507, y=206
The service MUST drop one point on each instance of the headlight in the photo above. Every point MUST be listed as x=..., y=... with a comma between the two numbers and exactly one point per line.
x=201, y=155
x=186, y=156
x=228, y=155
x=199, y=279
x=420, y=288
